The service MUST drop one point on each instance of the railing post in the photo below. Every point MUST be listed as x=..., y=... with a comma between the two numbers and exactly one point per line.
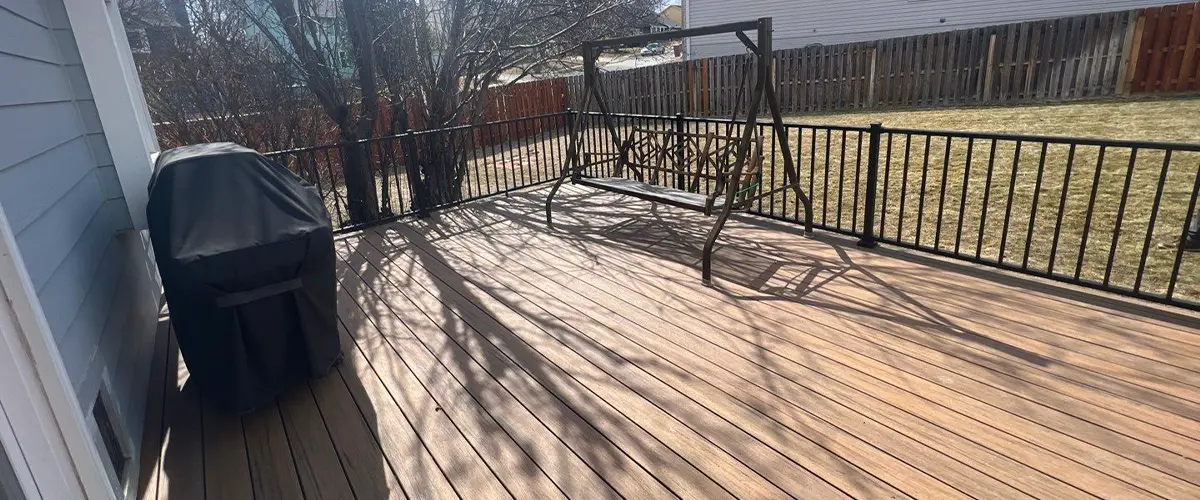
x=680, y=150
x=868, y=234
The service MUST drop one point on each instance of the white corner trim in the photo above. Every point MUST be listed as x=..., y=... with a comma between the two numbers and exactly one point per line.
x=113, y=79
x=48, y=368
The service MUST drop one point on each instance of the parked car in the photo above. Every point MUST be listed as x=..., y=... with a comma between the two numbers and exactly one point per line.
x=653, y=49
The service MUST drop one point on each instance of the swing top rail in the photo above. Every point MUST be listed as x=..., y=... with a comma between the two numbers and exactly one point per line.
x=715, y=29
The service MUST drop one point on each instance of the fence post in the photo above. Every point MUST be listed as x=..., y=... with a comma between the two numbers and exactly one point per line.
x=680, y=150
x=868, y=234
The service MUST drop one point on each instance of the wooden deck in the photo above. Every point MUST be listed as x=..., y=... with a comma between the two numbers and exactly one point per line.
x=489, y=357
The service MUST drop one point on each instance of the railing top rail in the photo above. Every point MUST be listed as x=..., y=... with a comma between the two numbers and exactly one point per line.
x=1000, y=136
x=1079, y=141
x=413, y=133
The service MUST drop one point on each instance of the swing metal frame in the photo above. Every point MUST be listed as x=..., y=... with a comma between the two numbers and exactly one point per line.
x=730, y=192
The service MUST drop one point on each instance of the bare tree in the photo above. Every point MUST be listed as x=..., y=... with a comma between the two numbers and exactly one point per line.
x=251, y=65
x=213, y=81
x=450, y=53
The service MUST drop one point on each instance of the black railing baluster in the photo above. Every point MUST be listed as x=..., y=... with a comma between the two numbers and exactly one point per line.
x=887, y=167
x=903, y=188
x=962, y=202
x=1112, y=250
x=1037, y=191
x=1012, y=187
x=1062, y=206
x=1087, y=221
x=987, y=191
x=1188, y=221
x=857, y=169
x=800, y=168
x=841, y=179
x=783, y=209
x=937, y=232
x=825, y=189
x=1162, y=180
x=812, y=164
x=921, y=198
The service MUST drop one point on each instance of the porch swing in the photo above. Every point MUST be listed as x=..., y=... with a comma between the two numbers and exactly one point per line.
x=731, y=162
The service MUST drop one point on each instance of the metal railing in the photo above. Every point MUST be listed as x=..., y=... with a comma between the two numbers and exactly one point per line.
x=1107, y=214
x=478, y=161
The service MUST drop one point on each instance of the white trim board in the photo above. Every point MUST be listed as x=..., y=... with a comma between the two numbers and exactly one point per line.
x=48, y=406
x=108, y=63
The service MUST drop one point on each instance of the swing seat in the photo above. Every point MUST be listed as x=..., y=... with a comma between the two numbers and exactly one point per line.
x=656, y=153
x=651, y=192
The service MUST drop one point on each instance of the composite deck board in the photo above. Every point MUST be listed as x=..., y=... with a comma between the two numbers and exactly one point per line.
x=487, y=356
x=690, y=300
x=651, y=415
x=682, y=373
x=459, y=399
x=626, y=363
x=474, y=249
x=623, y=436
x=543, y=405
x=881, y=317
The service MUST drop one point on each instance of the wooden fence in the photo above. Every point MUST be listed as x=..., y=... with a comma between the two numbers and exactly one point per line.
x=1165, y=56
x=1058, y=59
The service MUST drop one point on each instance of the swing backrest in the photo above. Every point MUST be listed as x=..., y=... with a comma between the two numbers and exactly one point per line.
x=705, y=155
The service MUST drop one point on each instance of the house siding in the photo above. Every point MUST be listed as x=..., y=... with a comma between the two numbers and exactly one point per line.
x=64, y=202
x=799, y=23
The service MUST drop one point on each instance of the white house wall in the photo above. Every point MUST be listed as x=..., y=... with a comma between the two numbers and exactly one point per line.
x=799, y=23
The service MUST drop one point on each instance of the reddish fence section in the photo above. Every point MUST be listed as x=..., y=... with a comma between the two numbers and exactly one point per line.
x=297, y=128
x=1166, y=55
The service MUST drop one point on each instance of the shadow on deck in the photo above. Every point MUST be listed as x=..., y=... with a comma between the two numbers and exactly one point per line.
x=489, y=357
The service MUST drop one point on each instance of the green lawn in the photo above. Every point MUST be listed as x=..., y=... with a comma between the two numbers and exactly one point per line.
x=931, y=181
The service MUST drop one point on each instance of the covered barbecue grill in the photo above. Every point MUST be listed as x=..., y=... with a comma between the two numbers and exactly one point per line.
x=245, y=251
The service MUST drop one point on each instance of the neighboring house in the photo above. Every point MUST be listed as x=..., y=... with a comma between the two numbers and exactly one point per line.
x=80, y=291
x=672, y=13
x=669, y=19
x=326, y=17
x=155, y=27
x=799, y=23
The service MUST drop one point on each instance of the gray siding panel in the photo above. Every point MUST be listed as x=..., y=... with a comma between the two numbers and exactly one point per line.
x=34, y=129
x=29, y=9
x=47, y=242
x=63, y=199
x=802, y=22
x=39, y=81
x=30, y=192
x=22, y=37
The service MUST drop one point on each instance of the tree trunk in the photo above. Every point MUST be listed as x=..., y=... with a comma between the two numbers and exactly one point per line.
x=443, y=169
x=362, y=203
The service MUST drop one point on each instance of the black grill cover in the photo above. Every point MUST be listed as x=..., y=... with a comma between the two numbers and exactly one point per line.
x=245, y=250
